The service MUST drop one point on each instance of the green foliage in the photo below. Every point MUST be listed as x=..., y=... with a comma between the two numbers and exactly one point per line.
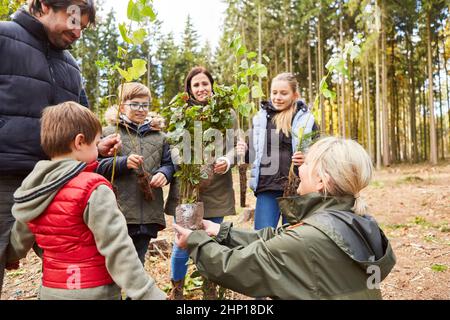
x=181, y=118
x=137, y=70
x=439, y=268
x=8, y=7
x=247, y=73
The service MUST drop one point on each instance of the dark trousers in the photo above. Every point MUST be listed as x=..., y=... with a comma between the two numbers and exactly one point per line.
x=141, y=242
x=8, y=185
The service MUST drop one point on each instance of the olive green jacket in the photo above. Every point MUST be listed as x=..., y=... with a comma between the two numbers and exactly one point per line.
x=151, y=144
x=327, y=252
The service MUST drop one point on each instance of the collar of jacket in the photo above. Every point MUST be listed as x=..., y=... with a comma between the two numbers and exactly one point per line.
x=298, y=208
x=125, y=121
x=267, y=105
x=33, y=26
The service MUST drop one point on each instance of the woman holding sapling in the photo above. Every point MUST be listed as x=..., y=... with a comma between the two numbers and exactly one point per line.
x=217, y=197
x=332, y=248
x=275, y=139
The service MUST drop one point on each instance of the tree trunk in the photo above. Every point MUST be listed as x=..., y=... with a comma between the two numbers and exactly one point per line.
x=342, y=77
x=320, y=68
x=394, y=107
x=385, y=115
x=369, y=133
x=310, y=81
x=377, y=105
x=412, y=101
x=446, y=85
x=423, y=134
x=406, y=139
x=441, y=119
x=433, y=146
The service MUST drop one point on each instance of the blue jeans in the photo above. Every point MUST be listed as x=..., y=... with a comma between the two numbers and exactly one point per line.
x=267, y=211
x=180, y=257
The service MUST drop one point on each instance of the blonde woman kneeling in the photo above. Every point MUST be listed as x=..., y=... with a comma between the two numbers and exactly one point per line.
x=331, y=250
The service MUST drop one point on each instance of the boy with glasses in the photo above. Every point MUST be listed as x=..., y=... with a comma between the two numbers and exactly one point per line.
x=146, y=147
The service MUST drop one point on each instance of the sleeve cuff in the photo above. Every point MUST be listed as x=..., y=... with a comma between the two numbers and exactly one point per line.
x=223, y=231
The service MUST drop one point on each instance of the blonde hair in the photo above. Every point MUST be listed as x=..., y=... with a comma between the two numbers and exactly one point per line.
x=131, y=90
x=283, y=119
x=344, y=167
x=60, y=125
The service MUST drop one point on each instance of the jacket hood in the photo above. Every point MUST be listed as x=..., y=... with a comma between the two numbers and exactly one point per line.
x=41, y=185
x=359, y=237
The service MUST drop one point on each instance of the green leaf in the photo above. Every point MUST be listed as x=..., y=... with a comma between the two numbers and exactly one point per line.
x=341, y=68
x=241, y=51
x=133, y=12
x=327, y=93
x=139, y=68
x=331, y=64
x=260, y=70
x=149, y=12
x=266, y=58
x=323, y=84
x=124, y=33
x=139, y=36
x=124, y=74
x=245, y=109
x=244, y=64
x=257, y=92
x=121, y=52
x=236, y=43
x=243, y=91
x=355, y=52
x=251, y=55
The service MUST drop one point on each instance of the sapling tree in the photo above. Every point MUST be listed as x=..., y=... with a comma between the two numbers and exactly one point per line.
x=188, y=127
x=245, y=90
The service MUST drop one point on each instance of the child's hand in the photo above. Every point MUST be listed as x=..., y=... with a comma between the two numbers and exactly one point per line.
x=134, y=161
x=181, y=236
x=241, y=148
x=211, y=228
x=12, y=266
x=298, y=158
x=158, y=180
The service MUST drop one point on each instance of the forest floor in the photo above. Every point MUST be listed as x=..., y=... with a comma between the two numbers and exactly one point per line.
x=411, y=203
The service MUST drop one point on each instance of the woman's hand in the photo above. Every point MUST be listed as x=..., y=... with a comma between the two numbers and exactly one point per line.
x=109, y=144
x=181, y=236
x=134, y=161
x=220, y=167
x=241, y=148
x=298, y=158
x=158, y=180
x=211, y=228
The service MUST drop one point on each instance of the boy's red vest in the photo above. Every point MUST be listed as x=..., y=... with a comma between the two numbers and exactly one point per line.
x=71, y=259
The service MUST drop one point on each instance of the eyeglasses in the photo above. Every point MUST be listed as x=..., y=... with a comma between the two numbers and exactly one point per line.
x=138, y=106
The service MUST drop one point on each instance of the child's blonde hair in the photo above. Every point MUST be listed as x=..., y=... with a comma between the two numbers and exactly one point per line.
x=131, y=90
x=344, y=167
x=60, y=125
x=283, y=119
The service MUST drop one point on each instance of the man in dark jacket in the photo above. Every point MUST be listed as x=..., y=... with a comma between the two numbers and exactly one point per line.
x=36, y=71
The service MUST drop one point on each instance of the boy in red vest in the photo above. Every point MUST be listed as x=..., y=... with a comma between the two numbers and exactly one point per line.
x=72, y=214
